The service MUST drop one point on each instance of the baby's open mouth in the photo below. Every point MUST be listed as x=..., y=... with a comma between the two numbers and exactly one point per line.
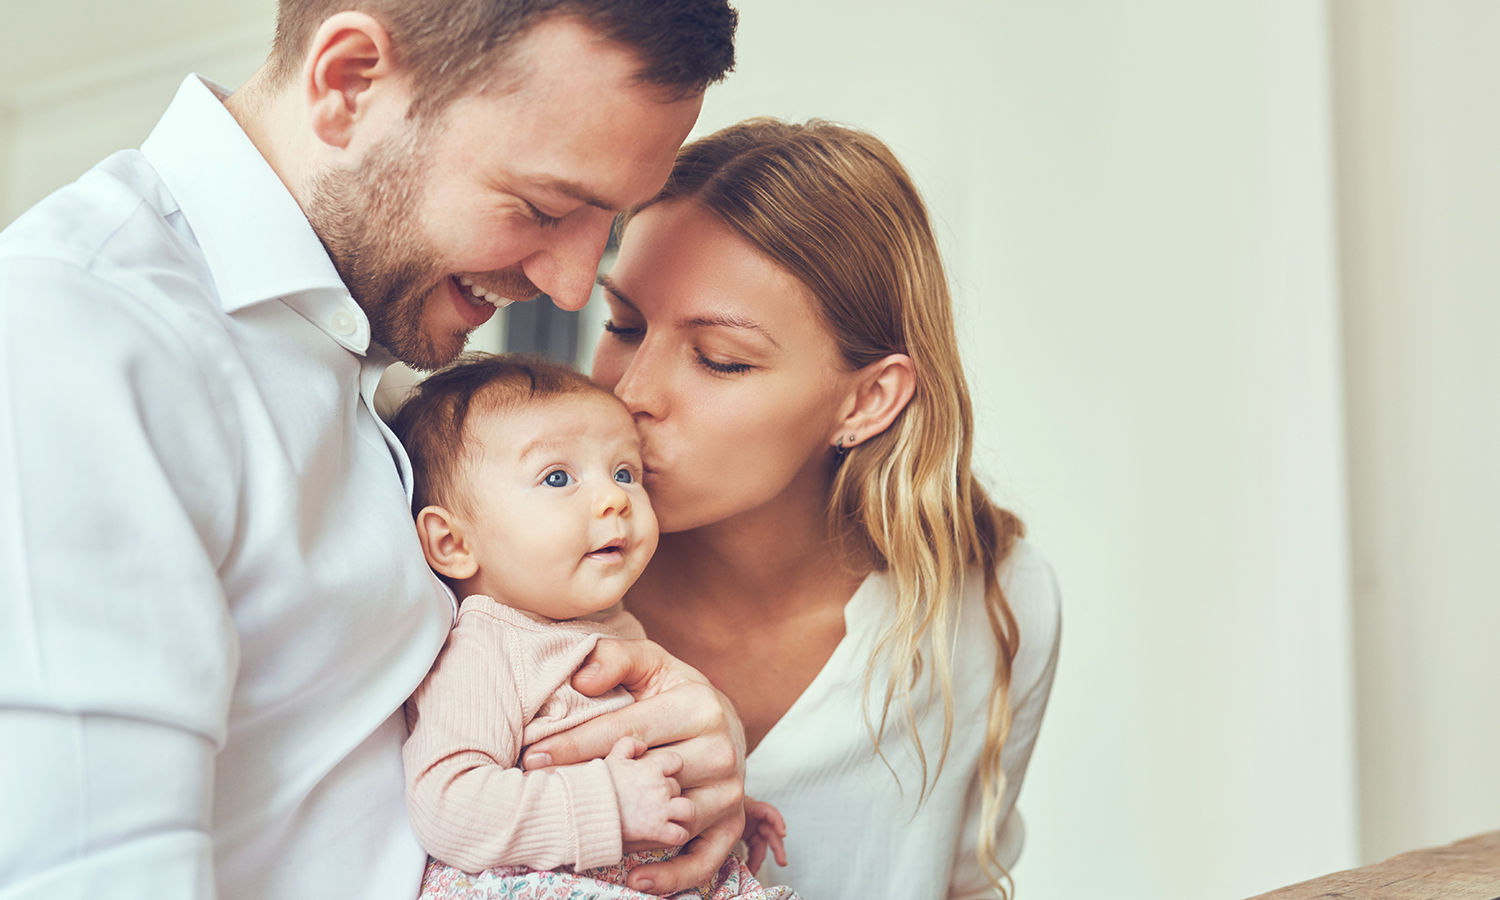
x=479, y=294
x=612, y=550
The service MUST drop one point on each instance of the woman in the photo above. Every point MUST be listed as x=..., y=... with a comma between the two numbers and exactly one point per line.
x=781, y=330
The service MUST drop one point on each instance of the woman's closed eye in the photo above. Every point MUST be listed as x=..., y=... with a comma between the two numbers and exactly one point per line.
x=722, y=367
x=624, y=333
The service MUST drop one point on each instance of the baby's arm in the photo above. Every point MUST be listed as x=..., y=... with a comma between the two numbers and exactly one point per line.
x=469, y=804
x=764, y=828
x=652, y=807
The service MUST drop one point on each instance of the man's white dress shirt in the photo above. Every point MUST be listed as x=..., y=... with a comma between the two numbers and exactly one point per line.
x=212, y=598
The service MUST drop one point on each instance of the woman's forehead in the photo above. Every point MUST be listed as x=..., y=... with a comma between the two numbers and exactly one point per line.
x=680, y=264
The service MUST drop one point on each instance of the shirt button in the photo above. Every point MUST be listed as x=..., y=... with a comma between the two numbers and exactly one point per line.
x=344, y=323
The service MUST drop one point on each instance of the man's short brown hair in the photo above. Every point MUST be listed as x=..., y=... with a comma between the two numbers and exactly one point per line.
x=430, y=424
x=452, y=46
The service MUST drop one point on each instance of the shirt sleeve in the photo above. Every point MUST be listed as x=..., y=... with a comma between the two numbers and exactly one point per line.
x=118, y=488
x=1031, y=589
x=470, y=805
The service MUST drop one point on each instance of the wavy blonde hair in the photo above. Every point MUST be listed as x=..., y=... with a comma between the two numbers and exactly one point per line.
x=833, y=206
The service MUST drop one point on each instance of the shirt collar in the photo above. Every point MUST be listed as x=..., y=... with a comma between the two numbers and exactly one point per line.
x=255, y=238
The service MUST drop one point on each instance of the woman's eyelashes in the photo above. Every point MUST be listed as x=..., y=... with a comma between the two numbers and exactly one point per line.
x=624, y=333
x=634, y=334
x=722, y=368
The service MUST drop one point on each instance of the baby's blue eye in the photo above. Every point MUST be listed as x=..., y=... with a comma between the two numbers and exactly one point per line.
x=624, y=477
x=558, y=478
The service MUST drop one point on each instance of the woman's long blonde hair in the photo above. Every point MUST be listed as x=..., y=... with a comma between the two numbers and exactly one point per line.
x=834, y=207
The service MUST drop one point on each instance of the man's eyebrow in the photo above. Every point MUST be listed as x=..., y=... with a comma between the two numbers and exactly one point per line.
x=709, y=321
x=575, y=190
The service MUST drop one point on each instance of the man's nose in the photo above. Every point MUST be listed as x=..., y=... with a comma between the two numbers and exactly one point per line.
x=566, y=268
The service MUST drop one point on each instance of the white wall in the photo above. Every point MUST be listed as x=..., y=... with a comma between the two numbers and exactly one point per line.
x=1420, y=163
x=65, y=122
x=1136, y=198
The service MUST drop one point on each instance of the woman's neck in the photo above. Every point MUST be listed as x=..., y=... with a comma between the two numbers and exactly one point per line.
x=755, y=603
x=762, y=558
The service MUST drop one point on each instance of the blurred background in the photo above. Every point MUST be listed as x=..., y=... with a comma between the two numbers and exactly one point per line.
x=1229, y=294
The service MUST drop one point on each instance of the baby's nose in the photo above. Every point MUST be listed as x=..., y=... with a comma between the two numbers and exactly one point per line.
x=612, y=499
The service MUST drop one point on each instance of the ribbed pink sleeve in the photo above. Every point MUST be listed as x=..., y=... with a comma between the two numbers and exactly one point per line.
x=470, y=806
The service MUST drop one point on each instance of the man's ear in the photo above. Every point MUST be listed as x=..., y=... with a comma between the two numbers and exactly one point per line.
x=881, y=391
x=444, y=543
x=349, y=55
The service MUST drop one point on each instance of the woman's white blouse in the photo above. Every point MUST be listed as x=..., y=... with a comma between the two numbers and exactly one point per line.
x=855, y=826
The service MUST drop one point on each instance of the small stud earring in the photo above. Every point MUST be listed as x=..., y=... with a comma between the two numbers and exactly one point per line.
x=842, y=450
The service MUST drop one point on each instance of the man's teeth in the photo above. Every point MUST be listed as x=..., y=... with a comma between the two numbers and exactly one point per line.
x=488, y=296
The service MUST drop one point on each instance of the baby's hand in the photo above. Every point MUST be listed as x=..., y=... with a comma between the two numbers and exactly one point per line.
x=764, y=828
x=651, y=802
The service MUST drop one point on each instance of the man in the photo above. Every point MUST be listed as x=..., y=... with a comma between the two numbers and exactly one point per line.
x=214, y=602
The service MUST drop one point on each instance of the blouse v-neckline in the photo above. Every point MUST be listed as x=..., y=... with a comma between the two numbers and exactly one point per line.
x=860, y=617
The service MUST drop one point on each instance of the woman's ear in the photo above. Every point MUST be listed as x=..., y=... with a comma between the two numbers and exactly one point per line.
x=349, y=55
x=881, y=391
x=445, y=545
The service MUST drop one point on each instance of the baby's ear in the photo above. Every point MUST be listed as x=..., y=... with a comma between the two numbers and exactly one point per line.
x=444, y=544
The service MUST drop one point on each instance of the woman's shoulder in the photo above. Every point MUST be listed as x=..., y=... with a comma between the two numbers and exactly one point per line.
x=1035, y=600
x=1030, y=587
x=1027, y=579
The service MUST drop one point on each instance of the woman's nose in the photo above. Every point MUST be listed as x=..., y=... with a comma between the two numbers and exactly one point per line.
x=640, y=388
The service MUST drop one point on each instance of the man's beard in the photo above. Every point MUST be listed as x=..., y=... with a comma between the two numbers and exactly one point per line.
x=367, y=219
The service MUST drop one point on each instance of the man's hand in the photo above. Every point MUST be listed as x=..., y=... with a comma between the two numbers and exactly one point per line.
x=675, y=705
x=650, y=803
x=764, y=829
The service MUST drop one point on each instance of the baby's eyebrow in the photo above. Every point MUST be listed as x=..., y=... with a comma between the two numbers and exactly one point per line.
x=539, y=445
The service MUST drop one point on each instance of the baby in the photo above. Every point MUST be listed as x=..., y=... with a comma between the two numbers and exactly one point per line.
x=527, y=482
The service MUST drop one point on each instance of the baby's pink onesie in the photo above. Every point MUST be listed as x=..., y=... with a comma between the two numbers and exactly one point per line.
x=502, y=683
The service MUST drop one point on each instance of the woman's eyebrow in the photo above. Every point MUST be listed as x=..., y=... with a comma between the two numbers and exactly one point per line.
x=608, y=284
x=715, y=320
x=719, y=320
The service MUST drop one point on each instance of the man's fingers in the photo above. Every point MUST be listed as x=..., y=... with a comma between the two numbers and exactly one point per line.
x=633, y=664
x=681, y=809
x=678, y=715
x=697, y=862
